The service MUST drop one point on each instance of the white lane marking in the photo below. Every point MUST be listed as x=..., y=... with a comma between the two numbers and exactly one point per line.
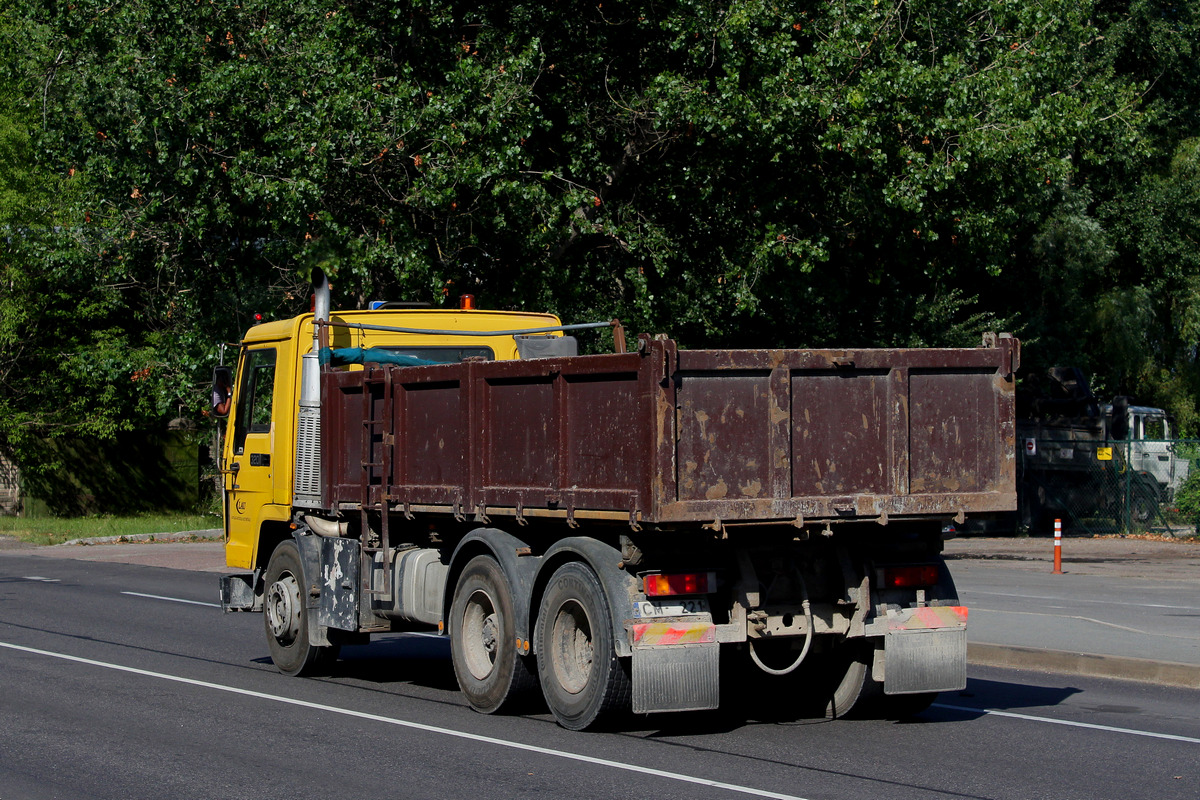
x=172, y=599
x=1069, y=723
x=969, y=592
x=732, y=787
x=40, y=578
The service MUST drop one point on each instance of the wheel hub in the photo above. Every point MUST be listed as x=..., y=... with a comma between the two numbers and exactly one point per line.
x=572, y=651
x=282, y=607
x=481, y=628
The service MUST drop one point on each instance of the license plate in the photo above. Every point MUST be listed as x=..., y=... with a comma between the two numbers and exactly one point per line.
x=673, y=607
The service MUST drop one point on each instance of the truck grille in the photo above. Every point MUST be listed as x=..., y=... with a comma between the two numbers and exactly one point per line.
x=308, y=459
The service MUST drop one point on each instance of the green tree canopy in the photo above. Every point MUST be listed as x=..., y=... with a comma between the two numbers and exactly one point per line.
x=867, y=172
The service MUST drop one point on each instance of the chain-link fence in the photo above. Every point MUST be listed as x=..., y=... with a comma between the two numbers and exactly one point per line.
x=1097, y=486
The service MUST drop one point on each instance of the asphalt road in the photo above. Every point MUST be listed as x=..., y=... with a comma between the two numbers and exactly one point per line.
x=1113, y=616
x=125, y=681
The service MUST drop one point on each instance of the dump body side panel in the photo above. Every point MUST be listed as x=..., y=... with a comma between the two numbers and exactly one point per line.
x=551, y=436
x=675, y=437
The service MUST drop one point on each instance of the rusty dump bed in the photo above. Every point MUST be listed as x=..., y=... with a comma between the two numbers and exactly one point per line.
x=668, y=437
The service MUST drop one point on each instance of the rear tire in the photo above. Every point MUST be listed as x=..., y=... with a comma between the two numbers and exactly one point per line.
x=582, y=678
x=850, y=691
x=833, y=682
x=285, y=617
x=483, y=646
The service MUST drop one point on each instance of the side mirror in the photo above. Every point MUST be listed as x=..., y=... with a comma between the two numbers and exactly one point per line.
x=222, y=391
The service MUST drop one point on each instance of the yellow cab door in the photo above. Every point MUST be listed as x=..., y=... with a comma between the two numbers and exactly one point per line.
x=250, y=474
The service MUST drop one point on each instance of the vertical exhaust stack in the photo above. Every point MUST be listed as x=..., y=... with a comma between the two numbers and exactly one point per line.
x=306, y=492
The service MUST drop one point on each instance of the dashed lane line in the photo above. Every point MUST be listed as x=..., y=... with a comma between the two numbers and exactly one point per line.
x=172, y=599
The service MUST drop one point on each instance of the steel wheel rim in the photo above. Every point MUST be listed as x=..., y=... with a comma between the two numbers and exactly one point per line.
x=282, y=607
x=571, y=647
x=481, y=630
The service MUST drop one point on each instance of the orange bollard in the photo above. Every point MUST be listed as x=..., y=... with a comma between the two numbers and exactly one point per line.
x=1058, y=547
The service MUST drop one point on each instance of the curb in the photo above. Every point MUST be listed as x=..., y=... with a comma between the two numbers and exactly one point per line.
x=1140, y=670
x=180, y=536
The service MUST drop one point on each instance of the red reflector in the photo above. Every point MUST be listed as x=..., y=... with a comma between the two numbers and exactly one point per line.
x=686, y=583
x=467, y=302
x=910, y=577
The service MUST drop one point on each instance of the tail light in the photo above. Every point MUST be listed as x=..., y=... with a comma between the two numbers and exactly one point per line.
x=681, y=583
x=918, y=576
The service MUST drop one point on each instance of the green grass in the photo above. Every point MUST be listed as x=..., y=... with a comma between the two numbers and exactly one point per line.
x=55, y=530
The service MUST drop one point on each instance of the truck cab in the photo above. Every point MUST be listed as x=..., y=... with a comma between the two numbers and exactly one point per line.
x=266, y=419
x=1151, y=446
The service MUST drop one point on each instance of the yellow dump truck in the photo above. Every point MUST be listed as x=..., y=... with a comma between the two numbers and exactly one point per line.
x=602, y=528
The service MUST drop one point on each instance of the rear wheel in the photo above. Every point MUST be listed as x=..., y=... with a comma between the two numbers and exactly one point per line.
x=286, y=618
x=582, y=678
x=483, y=639
x=844, y=686
x=833, y=681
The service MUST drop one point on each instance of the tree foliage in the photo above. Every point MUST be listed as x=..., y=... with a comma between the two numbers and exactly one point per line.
x=734, y=172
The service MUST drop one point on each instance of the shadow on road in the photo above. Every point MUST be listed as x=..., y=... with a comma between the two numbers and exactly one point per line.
x=1005, y=696
x=408, y=658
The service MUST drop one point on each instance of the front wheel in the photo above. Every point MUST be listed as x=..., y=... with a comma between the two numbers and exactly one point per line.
x=582, y=678
x=286, y=617
x=1143, y=506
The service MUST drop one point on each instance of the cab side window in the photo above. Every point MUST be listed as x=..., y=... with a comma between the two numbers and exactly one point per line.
x=257, y=392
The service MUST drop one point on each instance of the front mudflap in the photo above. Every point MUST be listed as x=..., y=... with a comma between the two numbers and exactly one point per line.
x=340, y=565
x=310, y=547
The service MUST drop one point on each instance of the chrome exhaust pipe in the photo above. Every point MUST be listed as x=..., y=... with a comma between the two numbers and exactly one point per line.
x=320, y=304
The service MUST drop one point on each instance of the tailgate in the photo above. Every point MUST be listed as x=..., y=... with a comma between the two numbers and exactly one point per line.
x=804, y=434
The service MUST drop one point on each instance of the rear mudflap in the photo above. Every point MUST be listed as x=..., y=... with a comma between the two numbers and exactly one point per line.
x=676, y=666
x=925, y=650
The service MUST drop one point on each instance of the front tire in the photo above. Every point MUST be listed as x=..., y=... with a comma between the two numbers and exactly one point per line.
x=1144, y=506
x=285, y=617
x=582, y=678
x=483, y=647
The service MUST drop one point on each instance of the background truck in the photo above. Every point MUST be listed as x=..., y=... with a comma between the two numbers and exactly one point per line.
x=624, y=531
x=1086, y=460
